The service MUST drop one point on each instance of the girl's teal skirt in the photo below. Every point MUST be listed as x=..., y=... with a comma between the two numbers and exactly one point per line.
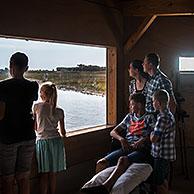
x=50, y=154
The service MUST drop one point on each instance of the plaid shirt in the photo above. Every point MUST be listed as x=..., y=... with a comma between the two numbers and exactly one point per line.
x=157, y=81
x=133, y=88
x=165, y=130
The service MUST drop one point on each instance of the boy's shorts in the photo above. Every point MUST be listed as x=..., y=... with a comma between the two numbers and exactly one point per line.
x=133, y=156
x=161, y=170
x=15, y=159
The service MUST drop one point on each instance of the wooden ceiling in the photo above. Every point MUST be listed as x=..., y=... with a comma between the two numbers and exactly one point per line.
x=148, y=10
x=153, y=7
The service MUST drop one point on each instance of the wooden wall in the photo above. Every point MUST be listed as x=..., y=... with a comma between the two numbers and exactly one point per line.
x=79, y=21
x=82, y=152
x=72, y=21
x=172, y=37
x=75, y=21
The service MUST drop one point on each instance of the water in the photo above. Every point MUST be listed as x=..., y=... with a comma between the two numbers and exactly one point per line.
x=82, y=110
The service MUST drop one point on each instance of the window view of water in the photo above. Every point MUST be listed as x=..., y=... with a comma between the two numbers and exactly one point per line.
x=78, y=71
x=82, y=110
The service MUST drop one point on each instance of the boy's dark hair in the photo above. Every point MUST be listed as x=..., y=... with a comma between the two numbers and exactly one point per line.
x=162, y=96
x=138, y=98
x=19, y=59
x=154, y=59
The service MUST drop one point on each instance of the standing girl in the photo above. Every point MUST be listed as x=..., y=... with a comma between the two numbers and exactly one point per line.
x=50, y=150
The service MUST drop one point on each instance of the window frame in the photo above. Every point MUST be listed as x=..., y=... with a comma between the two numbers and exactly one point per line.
x=111, y=84
x=111, y=91
x=185, y=71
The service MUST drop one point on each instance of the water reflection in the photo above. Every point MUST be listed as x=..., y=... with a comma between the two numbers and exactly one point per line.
x=82, y=110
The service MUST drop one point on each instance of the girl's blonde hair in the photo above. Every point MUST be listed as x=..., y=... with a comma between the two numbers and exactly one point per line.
x=50, y=92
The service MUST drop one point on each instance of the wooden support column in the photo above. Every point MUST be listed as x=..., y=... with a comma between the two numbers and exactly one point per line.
x=111, y=85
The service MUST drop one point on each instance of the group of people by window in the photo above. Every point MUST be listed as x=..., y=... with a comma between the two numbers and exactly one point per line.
x=20, y=135
x=147, y=133
x=149, y=129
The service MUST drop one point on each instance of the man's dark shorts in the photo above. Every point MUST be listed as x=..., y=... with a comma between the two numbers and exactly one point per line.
x=15, y=159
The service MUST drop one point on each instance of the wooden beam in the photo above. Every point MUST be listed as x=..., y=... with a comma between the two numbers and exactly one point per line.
x=132, y=40
x=155, y=7
x=176, y=14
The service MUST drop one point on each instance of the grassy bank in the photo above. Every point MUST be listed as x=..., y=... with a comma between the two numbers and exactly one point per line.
x=83, y=81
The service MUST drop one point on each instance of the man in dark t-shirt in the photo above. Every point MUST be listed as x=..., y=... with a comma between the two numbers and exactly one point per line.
x=17, y=125
x=17, y=136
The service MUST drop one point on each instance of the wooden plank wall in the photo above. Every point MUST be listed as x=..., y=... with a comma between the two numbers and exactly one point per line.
x=172, y=37
x=74, y=21
x=82, y=152
x=80, y=21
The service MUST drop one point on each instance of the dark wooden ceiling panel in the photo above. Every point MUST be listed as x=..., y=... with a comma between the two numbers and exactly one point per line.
x=154, y=7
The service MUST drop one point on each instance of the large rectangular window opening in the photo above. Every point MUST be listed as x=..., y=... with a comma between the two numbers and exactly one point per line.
x=80, y=73
x=186, y=64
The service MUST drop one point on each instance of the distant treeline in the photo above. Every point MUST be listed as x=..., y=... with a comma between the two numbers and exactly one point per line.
x=84, y=81
x=82, y=67
x=3, y=73
x=84, y=78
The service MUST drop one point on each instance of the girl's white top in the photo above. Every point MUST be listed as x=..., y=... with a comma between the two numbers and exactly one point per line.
x=46, y=121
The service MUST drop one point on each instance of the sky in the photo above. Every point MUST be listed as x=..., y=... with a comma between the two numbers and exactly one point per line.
x=45, y=55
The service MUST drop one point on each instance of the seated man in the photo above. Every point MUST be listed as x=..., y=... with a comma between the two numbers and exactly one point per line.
x=135, y=146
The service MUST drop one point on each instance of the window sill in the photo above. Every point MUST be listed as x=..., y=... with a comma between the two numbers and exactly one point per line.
x=89, y=130
x=186, y=72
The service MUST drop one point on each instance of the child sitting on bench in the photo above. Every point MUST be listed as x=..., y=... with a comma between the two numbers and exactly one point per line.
x=135, y=146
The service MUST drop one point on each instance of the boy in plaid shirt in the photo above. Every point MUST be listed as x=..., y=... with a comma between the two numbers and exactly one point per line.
x=163, y=141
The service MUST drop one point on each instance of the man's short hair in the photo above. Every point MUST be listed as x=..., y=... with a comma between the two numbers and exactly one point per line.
x=138, y=98
x=162, y=96
x=154, y=59
x=19, y=59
